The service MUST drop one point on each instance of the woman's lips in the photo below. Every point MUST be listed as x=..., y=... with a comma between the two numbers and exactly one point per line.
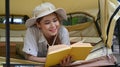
x=53, y=30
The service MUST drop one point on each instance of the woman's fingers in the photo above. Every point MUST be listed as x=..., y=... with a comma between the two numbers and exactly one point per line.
x=66, y=61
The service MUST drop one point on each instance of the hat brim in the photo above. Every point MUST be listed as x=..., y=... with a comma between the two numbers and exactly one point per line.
x=61, y=12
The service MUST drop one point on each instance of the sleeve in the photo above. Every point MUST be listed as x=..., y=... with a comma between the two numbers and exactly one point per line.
x=64, y=36
x=30, y=44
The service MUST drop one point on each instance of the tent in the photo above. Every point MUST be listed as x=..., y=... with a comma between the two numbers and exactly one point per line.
x=104, y=14
x=106, y=20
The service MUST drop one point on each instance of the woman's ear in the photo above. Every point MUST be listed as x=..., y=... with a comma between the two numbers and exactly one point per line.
x=38, y=25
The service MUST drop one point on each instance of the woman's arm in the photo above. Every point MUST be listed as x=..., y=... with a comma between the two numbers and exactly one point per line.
x=30, y=45
x=35, y=58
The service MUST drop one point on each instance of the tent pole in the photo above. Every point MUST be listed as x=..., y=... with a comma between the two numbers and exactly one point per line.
x=7, y=34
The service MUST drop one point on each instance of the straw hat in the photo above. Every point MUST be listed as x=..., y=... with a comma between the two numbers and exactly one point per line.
x=43, y=10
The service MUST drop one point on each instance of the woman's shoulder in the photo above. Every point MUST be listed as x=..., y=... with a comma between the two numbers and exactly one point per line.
x=35, y=31
x=63, y=28
x=33, y=28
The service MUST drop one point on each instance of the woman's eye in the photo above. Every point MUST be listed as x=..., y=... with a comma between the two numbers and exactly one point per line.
x=55, y=20
x=47, y=22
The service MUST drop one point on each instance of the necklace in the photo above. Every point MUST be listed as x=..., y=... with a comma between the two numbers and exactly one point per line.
x=53, y=41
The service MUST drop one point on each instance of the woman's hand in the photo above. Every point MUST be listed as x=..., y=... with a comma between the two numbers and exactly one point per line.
x=66, y=61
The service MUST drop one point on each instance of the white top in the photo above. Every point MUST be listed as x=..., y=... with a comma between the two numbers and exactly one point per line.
x=36, y=44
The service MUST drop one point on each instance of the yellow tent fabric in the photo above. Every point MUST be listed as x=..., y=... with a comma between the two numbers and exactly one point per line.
x=107, y=8
x=112, y=26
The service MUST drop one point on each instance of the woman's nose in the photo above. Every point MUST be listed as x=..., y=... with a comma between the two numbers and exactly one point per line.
x=52, y=24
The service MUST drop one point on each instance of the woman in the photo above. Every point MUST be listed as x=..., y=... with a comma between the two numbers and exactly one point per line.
x=44, y=30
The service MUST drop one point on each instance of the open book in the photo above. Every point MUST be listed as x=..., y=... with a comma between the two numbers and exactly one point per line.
x=78, y=51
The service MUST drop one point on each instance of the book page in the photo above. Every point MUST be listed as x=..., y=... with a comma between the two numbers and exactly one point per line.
x=80, y=44
x=57, y=48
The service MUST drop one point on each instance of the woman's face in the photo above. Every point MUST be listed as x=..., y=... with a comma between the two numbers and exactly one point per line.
x=49, y=25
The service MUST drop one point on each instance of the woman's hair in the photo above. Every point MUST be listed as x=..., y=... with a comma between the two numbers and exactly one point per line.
x=39, y=19
x=58, y=41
